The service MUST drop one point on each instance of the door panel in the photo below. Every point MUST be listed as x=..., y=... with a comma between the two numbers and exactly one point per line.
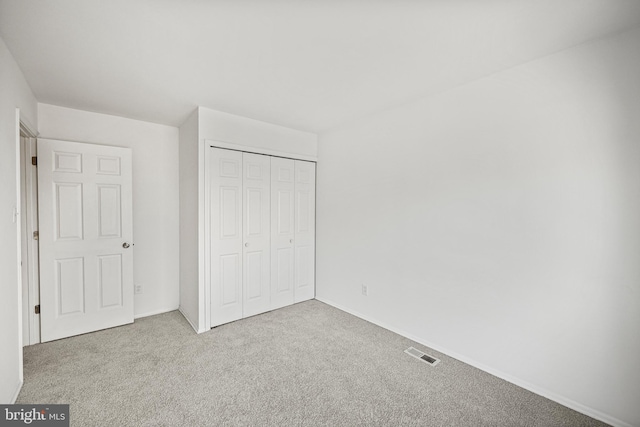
x=282, y=231
x=110, y=280
x=284, y=260
x=229, y=212
x=230, y=280
x=226, y=236
x=67, y=162
x=254, y=274
x=68, y=211
x=108, y=165
x=257, y=236
x=109, y=210
x=284, y=210
x=254, y=212
x=85, y=216
x=70, y=286
x=304, y=239
x=303, y=211
x=304, y=261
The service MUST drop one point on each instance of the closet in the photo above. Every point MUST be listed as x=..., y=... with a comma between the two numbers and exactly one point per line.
x=262, y=225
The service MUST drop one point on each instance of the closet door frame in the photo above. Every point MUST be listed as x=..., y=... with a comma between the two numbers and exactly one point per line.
x=205, y=211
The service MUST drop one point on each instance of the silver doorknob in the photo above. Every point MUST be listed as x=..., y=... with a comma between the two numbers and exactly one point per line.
x=246, y=245
x=290, y=240
x=125, y=245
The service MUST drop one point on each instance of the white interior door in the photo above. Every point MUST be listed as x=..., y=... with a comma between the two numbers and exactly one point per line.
x=257, y=233
x=282, y=231
x=305, y=230
x=226, y=235
x=86, y=258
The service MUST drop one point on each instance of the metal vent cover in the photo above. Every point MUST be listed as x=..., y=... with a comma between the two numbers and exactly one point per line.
x=429, y=360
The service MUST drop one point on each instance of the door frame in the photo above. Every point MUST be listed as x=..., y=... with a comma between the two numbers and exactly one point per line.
x=205, y=211
x=28, y=196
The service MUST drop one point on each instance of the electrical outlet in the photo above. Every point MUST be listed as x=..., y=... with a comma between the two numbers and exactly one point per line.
x=365, y=290
x=138, y=288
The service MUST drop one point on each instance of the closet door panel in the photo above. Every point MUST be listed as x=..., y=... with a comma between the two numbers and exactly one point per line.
x=230, y=280
x=305, y=236
x=282, y=231
x=262, y=233
x=257, y=233
x=226, y=236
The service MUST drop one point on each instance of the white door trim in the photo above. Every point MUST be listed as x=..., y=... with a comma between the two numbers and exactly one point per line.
x=204, y=195
x=30, y=221
x=205, y=249
x=29, y=283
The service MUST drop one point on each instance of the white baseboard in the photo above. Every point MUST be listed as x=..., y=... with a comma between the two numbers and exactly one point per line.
x=153, y=313
x=198, y=331
x=15, y=395
x=593, y=413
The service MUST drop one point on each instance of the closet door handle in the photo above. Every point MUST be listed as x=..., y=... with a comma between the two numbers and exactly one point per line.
x=290, y=240
x=246, y=245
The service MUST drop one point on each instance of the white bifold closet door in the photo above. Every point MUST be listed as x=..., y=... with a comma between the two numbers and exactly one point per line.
x=226, y=236
x=282, y=231
x=256, y=193
x=240, y=231
x=262, y=233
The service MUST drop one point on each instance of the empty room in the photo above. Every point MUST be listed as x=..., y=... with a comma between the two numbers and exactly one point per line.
x=320, y=213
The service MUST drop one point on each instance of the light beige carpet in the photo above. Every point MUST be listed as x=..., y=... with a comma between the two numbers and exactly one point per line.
x=303, y=365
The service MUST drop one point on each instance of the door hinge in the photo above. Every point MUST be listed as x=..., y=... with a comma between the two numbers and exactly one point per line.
x=38, y=309
x=36, y=235
x=34, y=161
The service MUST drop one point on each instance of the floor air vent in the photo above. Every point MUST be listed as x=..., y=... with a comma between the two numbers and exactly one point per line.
x=422, y=356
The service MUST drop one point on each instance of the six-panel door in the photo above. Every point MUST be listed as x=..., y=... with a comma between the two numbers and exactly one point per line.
x=85, y=219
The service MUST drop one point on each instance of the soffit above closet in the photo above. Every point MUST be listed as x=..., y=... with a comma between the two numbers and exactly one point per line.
x=310, y=65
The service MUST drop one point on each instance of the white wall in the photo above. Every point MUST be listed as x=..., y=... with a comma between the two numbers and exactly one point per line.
x=224, y=127
x=190, y=263
x=155, y=194
x=15, y=93
x=499, y=223
x=203, y=127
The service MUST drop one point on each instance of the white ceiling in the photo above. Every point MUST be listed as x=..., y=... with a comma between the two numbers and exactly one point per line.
x=310, y=65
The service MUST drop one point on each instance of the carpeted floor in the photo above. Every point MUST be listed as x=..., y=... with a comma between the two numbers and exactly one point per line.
x=304, y=365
